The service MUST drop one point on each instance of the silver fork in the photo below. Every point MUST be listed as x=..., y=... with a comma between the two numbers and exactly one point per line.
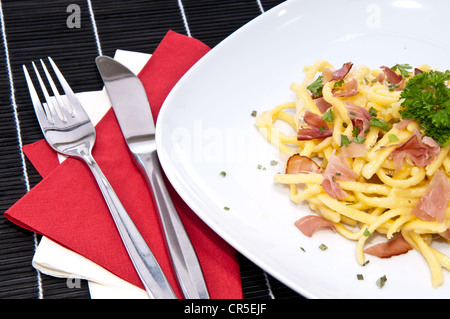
x=69, y=131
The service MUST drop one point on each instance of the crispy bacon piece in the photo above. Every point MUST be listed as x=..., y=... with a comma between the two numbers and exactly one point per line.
x=336, y=169
x=298, y=164
x=316, y=128
x=308, y=225
x=421, y=151
x=393, y=77
x=349, y=88
x=340, y=74
x=433, y=204
x=390, y=248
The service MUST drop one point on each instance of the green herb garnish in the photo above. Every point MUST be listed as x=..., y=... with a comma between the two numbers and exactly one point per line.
x=381, y=281
x=328, y=116
x=373, y=111
x=316, y=87
x=377, y=122
x=403, y=68
x=338, y=83
x=344, y=140
x=393, y=138
x=426, y=98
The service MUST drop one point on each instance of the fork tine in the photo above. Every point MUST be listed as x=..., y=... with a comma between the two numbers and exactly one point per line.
x=38, y=107
x=49, y=107
x=62, y=106
x=73, y=100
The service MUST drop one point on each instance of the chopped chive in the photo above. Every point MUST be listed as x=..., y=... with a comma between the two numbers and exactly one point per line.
x=381, y=281
x=366, y=263
x=393, y=138
x=373, y=111
x=302, y=249
x=273, y=162
x=359, y=276
x=352, y=203
x=367, y=232
x=226, y=208
x=323, y=247
x=377, y=122
x=254, y=113
x=338, y=83
x=223, y=173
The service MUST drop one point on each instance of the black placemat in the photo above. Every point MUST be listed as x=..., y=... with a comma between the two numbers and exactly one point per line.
x=35, y=29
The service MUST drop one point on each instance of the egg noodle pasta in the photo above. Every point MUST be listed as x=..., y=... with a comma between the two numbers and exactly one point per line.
x=347, y=161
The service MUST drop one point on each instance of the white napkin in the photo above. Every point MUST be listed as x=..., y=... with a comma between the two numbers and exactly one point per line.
x=51, y=258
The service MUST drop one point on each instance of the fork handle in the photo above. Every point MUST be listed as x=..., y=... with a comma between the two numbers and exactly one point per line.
x=184, y=258
x=145, y=263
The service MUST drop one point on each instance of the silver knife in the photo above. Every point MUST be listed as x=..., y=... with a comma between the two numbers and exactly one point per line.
x=131, y=107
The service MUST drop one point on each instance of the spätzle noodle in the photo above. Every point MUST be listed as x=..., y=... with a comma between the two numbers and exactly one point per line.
x=382, y=195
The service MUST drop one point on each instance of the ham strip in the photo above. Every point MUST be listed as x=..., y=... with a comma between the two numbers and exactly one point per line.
x=349, y=88
x=354, y=150
x=298, y=164
x=393, y=77
x=340, y=74
x=336, y=169
x=403, y=124
x=308, y=225
x=316, y=128
x=390, y=248
x=421, y=151
x=321, y=104
x=433, y=204
x=360, y=117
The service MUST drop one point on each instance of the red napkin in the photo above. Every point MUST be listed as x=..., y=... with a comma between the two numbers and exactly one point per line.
x=67, y=205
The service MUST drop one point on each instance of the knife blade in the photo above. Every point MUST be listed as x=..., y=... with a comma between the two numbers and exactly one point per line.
x=132, y=109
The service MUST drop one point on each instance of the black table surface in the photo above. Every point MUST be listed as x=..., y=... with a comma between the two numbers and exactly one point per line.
x=32, y=29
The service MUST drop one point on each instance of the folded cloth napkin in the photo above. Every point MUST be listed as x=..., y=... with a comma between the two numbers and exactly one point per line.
x=67, y=206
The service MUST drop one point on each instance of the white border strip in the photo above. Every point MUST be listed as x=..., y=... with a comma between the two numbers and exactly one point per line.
x=94, y=27
x=183, y=15
x=260, y=6
x=19, y=134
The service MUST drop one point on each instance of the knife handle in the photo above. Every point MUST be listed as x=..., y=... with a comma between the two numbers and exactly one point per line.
x=184, y=258
x=146, y=265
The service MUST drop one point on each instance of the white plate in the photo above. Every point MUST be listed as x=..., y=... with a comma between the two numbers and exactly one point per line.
x=205, y=127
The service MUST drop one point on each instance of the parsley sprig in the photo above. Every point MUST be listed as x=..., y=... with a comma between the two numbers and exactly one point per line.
x=426, y=98
x=403, y=69
x=316, y=87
